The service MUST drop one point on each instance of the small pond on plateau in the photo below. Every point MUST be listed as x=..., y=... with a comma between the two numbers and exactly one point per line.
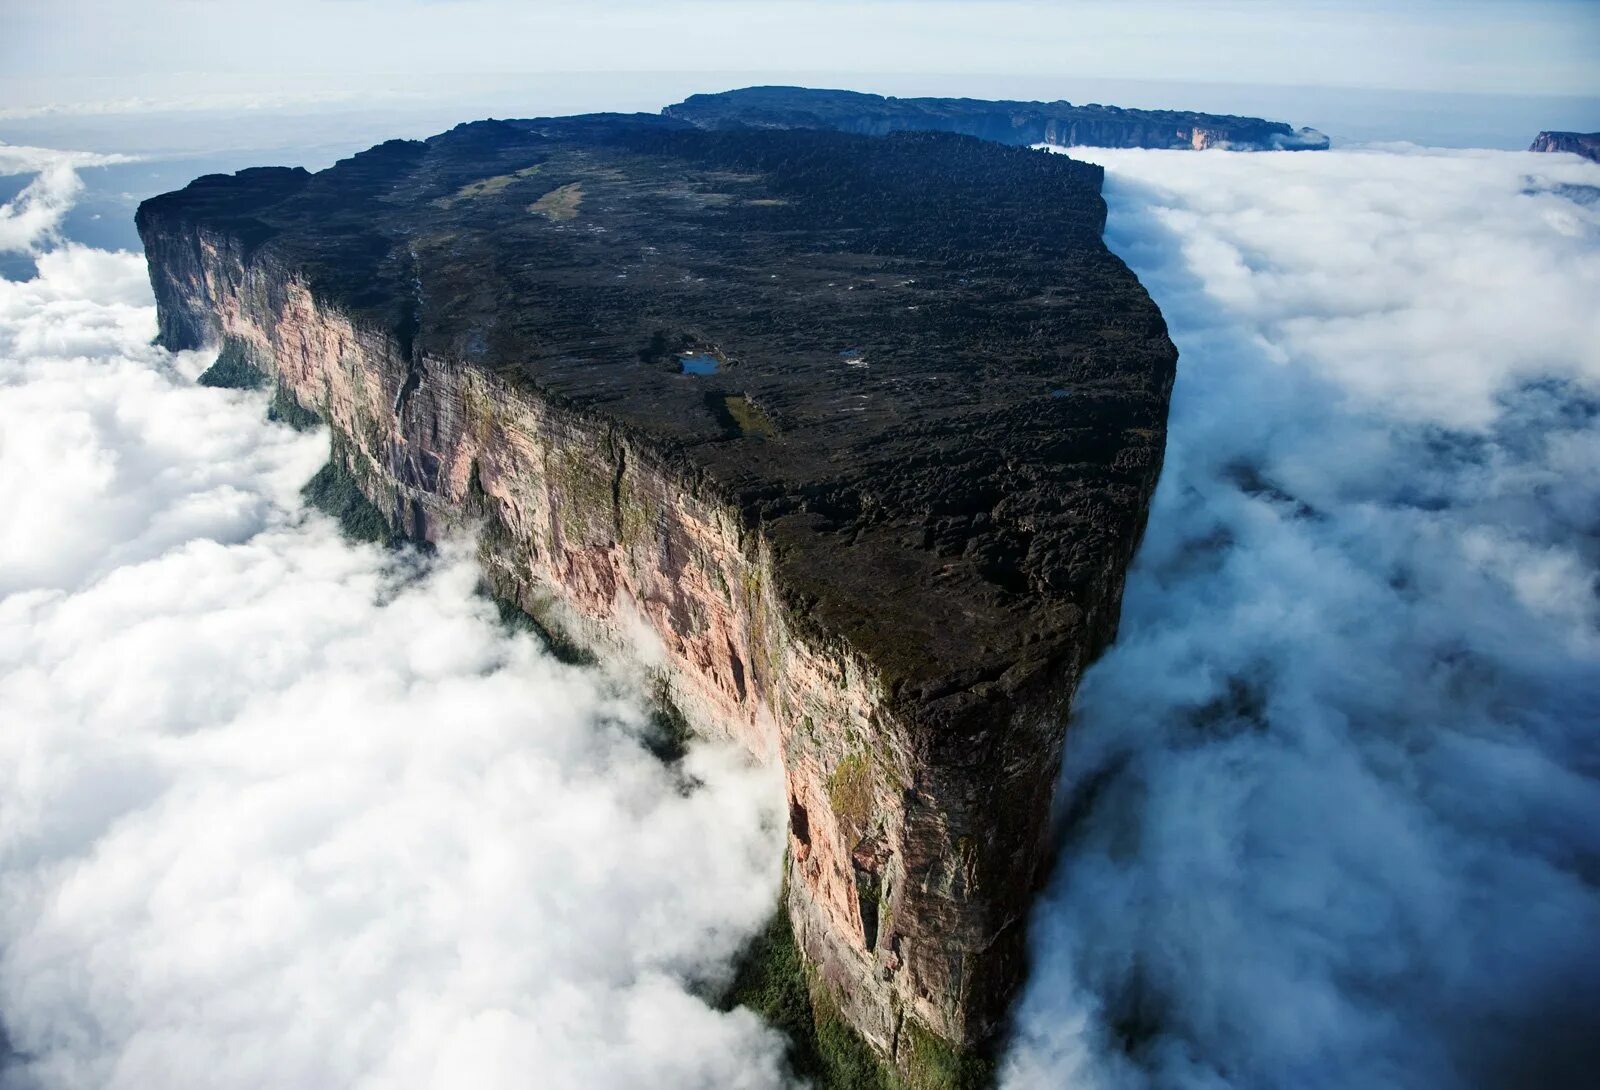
x=697, y=363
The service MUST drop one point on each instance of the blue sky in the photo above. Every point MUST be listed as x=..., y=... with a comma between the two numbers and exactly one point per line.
x=69, y=49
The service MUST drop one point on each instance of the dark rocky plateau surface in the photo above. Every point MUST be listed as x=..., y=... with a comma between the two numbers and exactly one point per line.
x=1586, y=144
x=1006, y=122
x=862, y=428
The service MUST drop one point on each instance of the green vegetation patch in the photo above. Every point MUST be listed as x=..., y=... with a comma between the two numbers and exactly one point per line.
x=233, y=370
x=936, y=1064
x=540, y=623
x=485, y=187
x=637, y=513
x=334, y=491
x=559, y=204
x=670, y=731
x=286, y=409
x=738, y=415
x=850, y=791
x=748, y=417
x=584, y=495
x=773, y=980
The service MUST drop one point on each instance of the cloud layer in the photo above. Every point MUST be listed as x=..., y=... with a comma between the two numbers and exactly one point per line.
x=1329, y=803
x=280, y=811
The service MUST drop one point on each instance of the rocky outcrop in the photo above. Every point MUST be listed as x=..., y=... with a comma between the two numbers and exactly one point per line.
x=1006, y=122
x=853, y=437
x=1586, y=144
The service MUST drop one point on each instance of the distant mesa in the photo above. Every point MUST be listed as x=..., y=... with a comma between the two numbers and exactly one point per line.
x=1586, y=144
x=1007, y=122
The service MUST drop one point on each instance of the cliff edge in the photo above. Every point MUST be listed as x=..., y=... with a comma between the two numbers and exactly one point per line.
x=1006, y=122
x=854, y=435
x=1586, y=144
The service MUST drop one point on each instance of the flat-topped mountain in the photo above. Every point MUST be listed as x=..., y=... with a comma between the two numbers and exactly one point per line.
x=1006, y=122
x=858, y=432
x=923, y=379
x=1586, y=144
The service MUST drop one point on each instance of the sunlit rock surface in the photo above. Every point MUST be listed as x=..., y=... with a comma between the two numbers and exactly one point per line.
x=1586, y=144
x=855, y=434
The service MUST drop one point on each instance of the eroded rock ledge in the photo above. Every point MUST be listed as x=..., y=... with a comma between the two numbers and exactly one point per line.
x=862, y=431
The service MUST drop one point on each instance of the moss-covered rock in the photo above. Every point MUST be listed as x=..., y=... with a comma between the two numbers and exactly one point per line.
x=670, y=731
x=543, y=626
x=774, y=981
x=334, y=491
x=285, y=409
x=233, y=370
x=932, y=1063
x=850, y=790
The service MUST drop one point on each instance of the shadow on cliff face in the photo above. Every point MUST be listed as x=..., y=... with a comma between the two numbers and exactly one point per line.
x=276, y=809
x=1332, y=794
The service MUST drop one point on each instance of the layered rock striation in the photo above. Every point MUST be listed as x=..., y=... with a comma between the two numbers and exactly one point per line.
x=1006, y=122
x=1586, y=144
x=855, y=435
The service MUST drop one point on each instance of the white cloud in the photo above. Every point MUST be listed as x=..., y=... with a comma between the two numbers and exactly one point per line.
x=1333, y=790
x=32, y=218
x=280, y=811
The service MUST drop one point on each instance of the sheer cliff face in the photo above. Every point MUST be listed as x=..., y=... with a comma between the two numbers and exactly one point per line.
x=1586, y=144
x=893, y=600
x=1017, y=123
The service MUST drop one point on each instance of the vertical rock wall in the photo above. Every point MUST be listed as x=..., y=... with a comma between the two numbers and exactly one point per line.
x=913, y=852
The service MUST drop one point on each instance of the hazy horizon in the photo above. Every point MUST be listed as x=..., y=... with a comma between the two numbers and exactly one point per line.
x=147, y=77
x=239, y=125
x=1444, y=118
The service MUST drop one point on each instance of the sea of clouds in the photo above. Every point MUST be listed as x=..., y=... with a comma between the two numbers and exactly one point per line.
x=278, y=810
x=33, y=217
x=1330, y=804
